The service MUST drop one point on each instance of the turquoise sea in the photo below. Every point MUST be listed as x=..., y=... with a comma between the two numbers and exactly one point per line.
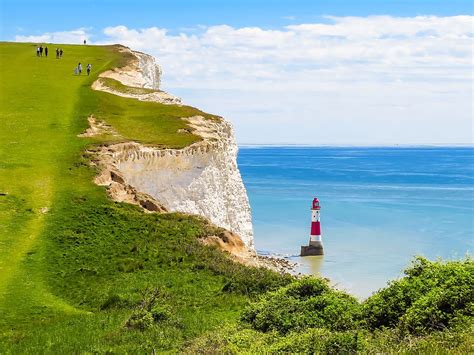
x=380, y=207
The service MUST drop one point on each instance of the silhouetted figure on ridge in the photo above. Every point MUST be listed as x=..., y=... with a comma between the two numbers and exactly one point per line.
x=46, y=51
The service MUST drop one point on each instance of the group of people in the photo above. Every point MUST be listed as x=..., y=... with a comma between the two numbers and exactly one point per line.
x=78, y=70
x=40, y=50
x=59, y=54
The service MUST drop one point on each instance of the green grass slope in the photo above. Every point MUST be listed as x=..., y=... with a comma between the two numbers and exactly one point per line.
x=74, y=266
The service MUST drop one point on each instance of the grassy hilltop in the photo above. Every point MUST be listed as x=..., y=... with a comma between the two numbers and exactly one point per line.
x=81, y=273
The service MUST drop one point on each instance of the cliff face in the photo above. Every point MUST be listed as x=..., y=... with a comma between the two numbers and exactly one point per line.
x=141, y=72
x=149, y=71
x=201, y=179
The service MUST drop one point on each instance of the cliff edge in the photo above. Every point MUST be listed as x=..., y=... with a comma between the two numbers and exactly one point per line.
x=202, y=178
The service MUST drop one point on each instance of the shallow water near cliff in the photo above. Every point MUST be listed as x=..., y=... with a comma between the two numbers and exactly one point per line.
x=380, y=207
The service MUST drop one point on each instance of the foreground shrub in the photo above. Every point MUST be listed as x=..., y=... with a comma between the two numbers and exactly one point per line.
x=449, y=341
x=151, y=312
x=320, y=341
x=140, y=319
x=252, y=281
x=432, y=296
x=306, y=303
x=429, y=311
x=161, y=313
x=232, y=340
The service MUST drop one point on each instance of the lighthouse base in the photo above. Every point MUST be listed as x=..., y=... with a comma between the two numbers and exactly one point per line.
x=312, y=249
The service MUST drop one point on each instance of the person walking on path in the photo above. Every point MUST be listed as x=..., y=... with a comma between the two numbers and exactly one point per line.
x=61, y=53
x=37, y=51
x=41, y=50
x=46, y=51
x=89, y=67
x=79, y=68
x=57, y=53
x=85, y=41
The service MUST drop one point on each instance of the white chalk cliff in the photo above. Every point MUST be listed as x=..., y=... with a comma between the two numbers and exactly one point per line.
x=202, y=178
x=143, y=72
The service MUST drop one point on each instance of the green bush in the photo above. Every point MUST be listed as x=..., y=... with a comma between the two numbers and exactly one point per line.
x=321, y=341
x=428, y=311
x=431, y=297
x=233, y=340
x=250, y=281
x=152, y=308
x=140, y=319
x=161, y=313
x=306, y=303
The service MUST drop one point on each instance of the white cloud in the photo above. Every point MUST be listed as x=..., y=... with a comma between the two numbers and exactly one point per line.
x=376, y=79
x=74, y=36
x=348, y=48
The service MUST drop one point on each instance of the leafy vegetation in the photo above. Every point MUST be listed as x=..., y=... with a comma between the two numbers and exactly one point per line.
x=428, y=310
x=235, y=340
x=432, y=296
x=307, y=303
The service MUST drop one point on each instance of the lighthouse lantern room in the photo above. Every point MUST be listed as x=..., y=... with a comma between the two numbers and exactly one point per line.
x=315, y=246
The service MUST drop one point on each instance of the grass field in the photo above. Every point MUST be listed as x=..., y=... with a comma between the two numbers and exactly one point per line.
x=65, y=249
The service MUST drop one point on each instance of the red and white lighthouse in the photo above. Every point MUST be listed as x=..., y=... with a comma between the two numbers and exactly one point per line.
x=315, y=236
x=315, y=246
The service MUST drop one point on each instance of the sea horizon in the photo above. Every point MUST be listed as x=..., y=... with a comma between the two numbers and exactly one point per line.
x=368, y=145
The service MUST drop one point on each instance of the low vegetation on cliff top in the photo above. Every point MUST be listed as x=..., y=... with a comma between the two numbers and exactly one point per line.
x=80, y=273
x=142, y=121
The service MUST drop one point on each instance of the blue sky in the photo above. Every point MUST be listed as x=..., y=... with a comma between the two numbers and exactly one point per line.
x=34, y=17
x=316, y=72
